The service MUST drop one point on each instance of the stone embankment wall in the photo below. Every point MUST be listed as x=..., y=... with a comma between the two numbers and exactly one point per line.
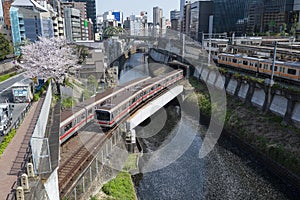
x=282, y=102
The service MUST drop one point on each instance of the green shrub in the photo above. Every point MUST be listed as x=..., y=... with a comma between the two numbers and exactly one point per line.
x=67, y=102
x=36, y=97
x=121, y=187
x=7, y=76
x=7, y=140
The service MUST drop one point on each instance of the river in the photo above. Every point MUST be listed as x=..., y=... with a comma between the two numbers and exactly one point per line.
x=171, y=167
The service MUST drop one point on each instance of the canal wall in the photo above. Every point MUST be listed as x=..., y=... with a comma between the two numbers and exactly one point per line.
x=280, y=101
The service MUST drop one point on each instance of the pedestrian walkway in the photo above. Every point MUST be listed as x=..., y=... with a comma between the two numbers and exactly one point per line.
x=14, y=158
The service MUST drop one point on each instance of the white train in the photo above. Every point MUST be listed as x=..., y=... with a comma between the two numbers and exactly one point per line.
x=110, y=107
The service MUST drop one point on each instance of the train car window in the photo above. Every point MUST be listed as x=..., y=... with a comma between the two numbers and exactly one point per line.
x=102, y=115
x=90, y=111
x=275, y=68
x=234, y=60
x=82, y=116
x=68, y=126
x=292, y=71
x=260, y=65
x=265, y=66
x=283, y=70
x=245, y=62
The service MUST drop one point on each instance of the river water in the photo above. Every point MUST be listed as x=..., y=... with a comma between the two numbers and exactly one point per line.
x=171, y=167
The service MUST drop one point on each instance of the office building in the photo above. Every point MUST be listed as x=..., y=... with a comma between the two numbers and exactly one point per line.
x=157, y=15
x=185, y=24
x=90, y=11
x=28, y=21
x=201, y=12
x=175, y=20
x=277, y=13
x=72, y=24
x=244, y=16
x=6, y=4
x=138, y=24
x=109, y=19
x=228, y=13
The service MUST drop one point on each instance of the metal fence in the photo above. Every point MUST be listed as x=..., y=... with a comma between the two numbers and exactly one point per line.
x=92, y=172
x=21, y=117
x=39, y=144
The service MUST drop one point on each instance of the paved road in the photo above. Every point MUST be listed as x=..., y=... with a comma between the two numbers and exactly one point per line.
x=6, y=94
x=17, y=110
x=5, y=86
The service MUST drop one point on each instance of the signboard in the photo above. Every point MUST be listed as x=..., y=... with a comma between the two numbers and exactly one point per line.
x=18, y=92
x=117, y=16
x=86, y=23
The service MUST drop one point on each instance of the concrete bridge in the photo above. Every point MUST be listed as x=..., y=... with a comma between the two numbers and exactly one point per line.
x=147, y=111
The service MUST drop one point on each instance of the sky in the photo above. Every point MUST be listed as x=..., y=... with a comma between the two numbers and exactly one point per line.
x=1, y=11
x=129, y=7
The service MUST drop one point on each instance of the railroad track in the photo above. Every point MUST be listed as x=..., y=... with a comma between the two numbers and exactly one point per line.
x=68, y=172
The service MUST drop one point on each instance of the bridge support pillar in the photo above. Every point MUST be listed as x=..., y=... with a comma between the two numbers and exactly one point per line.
x=130, y=141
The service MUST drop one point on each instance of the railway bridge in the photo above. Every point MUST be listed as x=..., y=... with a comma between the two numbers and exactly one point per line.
x=86, y=163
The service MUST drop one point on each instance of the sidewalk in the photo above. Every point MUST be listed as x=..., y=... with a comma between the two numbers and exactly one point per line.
x=12, y=160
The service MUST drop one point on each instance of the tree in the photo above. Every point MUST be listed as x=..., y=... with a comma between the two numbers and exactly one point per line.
x=5, y=47
x=92, y=83
x=82, y=52
x=48, y=58
x=112, y=30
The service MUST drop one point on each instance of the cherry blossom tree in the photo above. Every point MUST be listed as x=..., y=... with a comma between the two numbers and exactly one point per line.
x=48, y=58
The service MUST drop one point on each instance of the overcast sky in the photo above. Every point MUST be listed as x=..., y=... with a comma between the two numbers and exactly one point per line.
x=136, y=6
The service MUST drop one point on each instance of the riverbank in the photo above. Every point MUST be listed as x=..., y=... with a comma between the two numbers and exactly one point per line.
x=273, y=143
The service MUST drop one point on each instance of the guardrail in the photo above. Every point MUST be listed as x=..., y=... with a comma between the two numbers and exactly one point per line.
x=21, y=117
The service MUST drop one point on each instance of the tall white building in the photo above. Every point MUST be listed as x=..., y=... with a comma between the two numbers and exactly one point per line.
x=157, y=15
x=72, y=24
x=138, y=24
x=113, y=18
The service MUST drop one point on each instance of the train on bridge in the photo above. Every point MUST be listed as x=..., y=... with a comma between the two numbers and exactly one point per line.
x=283, y=70
x=110, y=107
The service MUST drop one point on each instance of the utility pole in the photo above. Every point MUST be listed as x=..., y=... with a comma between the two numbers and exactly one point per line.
x=209, y=49
x=183, y=43
x=273, y=64
x=270, y=83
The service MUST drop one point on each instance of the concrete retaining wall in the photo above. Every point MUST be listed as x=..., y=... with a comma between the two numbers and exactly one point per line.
x=258, y=97
x=288, y=108
x=220, y=82
x=231, y=87
x=296, y=113
x=279, y=105
x=243, y=90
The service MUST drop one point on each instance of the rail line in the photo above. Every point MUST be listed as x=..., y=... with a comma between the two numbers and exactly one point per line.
x=80, y=159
